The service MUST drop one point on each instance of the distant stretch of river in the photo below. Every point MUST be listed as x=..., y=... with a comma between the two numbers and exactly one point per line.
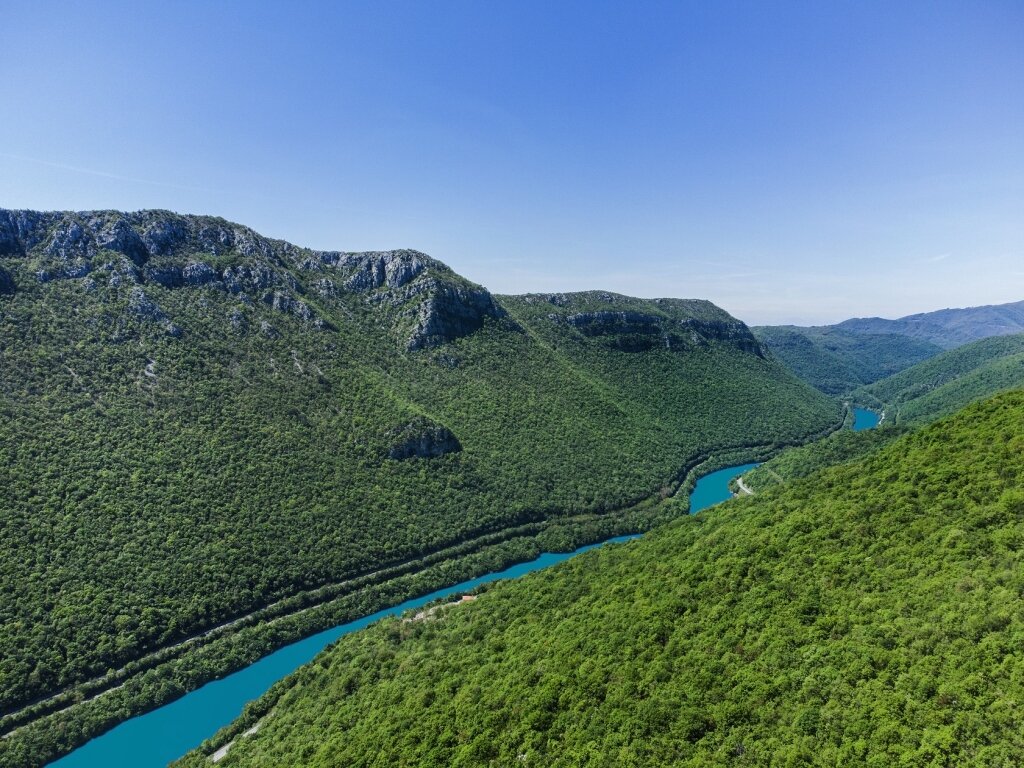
x=864, y=419
x=165, y=734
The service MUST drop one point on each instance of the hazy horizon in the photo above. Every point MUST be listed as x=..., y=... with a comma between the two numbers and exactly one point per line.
x=793, y=164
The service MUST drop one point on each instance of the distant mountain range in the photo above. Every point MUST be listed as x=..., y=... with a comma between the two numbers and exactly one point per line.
x=839, y=358
x=947, y=328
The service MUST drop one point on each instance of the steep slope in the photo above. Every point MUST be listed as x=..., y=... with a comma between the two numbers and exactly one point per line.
x=947, y=327
x=949, y=381
x=870, y=615
x=800, y=461
x=836, y=361
x=626, y=345
x=199, y=421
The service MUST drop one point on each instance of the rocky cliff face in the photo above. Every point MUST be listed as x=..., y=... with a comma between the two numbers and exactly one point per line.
x=439, y=311
x=422, y=439
x=68, y=236
x=420, y=300
x=730, y=331
x=411, y=286
x=606, y=321
x=639, y=325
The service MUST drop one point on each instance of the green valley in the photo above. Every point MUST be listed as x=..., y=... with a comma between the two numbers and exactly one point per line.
x=917, y=395
x=836, y=361
x=497, y=385
x=205, y=429
x=869, y=615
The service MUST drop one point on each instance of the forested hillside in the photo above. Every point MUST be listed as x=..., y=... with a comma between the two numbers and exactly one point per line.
x=198, y=421
x=799, y=461
x=949, y=381
x=869, y=615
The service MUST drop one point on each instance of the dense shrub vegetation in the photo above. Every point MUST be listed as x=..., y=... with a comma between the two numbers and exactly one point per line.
x=174, y=456
x=870, y=615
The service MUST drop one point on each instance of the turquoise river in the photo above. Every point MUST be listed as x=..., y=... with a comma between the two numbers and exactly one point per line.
x=864, y=419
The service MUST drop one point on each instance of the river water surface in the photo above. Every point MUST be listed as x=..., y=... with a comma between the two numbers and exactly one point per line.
x=864, y=419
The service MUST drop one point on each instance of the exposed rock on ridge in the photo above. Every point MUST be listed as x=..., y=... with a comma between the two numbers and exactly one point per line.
x=441, y=310
x=606, y=321
x=375, y=269
x=449, y=313
x=638, y=325
x=419, y=299
x=410, y=285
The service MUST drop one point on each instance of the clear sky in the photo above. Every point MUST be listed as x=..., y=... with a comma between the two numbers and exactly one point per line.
x=793, y=162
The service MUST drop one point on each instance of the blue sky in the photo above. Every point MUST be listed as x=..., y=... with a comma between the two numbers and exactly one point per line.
x=793, y=162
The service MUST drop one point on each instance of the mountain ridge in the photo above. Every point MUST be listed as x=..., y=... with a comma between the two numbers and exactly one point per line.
x=434, y=303
x=948, y=327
